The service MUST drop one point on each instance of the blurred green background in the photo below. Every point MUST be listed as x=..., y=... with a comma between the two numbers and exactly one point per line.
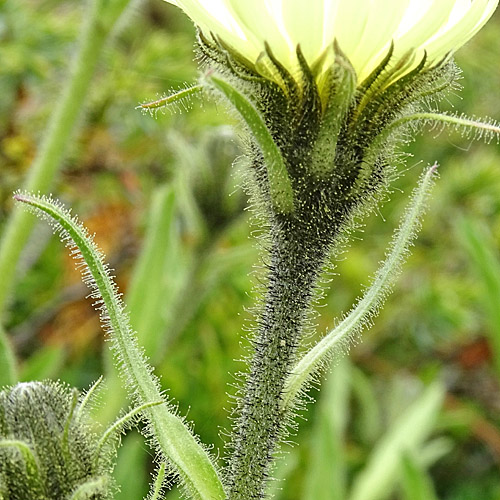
x=413, y=413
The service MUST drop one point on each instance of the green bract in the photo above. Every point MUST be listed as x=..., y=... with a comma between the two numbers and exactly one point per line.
x=364, y=29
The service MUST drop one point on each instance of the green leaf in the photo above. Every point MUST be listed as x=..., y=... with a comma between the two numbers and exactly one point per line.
x=369, y=420
x=469, y=127
x=172, y=435
x=43, y=364
x=149, y=292
x=29, y=459
x=100, y=19
x=367, y=306
x=416, y=483
x=146, y=293
x=90, y=489
x=8, y=373
x=119, y=426
x=175, y=98
x=407, y=435
x=156, y=492
x=485, y=259
x=326, y=476
x=132, y=457
x=339, y=86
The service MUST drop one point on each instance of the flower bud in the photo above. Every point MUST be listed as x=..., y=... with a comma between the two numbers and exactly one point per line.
x=214, y=181
x=48, y=449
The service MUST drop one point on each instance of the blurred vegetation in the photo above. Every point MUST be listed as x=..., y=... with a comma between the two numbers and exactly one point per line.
x=415, y=411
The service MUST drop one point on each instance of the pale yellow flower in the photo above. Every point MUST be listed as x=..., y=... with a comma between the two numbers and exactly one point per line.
x=364, y=29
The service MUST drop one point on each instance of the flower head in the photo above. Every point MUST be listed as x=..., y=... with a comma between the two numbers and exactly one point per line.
x=328, y=89
x=364, y=29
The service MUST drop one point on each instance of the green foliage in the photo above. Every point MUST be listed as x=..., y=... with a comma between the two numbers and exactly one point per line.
x=310, y=190
x=341, y=337
x=326, y=476
x=132, y=456
x=483, y=253
x=406, y=436
x=416, y=484
x=432, y=327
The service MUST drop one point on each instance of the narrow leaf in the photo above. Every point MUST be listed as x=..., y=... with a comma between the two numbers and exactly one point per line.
x=91, y=489
x=83, y=406
x=8, y=373
x=486, y=263
x=178, y=97
x=469, y=127
x=326, y=476
x=173, y=437
x=45, y=363
x=416, y=483
x=156, y=492
x=119, y=426
x=146, y=291
x=369, y=419
x=29, y=459
x=367, y=306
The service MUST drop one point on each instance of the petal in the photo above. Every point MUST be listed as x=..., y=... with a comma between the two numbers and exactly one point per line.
x=350, y=23
x=213, y=16
x=384, y=18
x=426, y=25
x=463, y=29
x=460, y=9
x=414, y=13
x=331, y=11
x=262, y=21
x=304, y=22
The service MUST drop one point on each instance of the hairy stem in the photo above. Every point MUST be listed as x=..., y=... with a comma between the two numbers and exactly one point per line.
x=367, y=306
x=295, y=264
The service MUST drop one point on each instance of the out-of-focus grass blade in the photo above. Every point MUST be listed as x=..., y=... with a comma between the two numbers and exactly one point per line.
x=45, y=363
x=326, y=475
x=434, y=450
x=285, y=467
x=188, y=159
x=485, y=258
x=368, y=419
x=129, y=469
x=146, y=295
x=415, y=482
x=8, y=369
x=377, y=480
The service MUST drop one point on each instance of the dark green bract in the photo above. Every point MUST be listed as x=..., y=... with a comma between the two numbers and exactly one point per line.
x=336, y=140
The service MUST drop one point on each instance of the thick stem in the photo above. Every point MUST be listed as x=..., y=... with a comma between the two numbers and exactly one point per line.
x=295, y=263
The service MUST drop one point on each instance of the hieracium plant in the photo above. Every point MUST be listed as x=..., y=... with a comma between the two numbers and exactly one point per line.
x=327, y=92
